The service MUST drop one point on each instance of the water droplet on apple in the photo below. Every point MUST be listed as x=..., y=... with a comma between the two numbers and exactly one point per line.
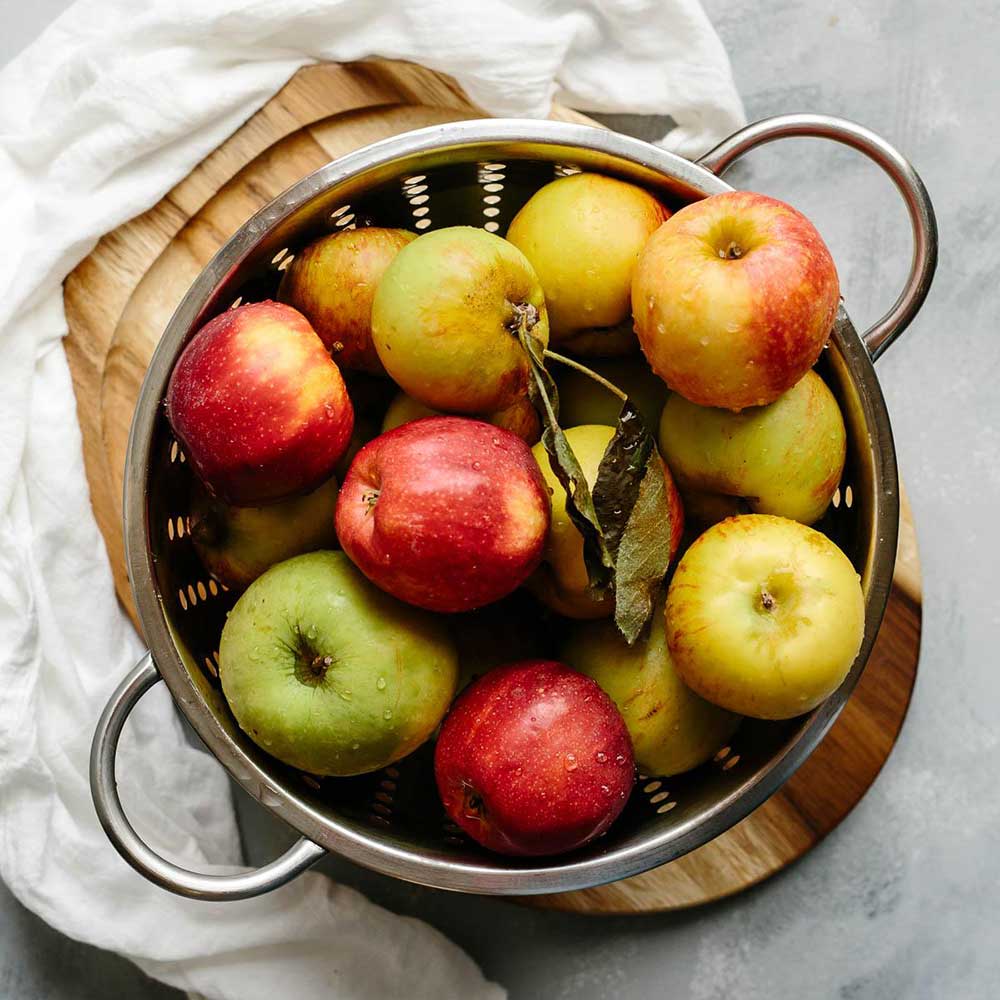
x=380, y=684
x=704, y=341
x=620, y=759
x=387, y=714
x=477, y=465
x=600, y=757
x=605, y=789
x=571, y=764
x=355, y=746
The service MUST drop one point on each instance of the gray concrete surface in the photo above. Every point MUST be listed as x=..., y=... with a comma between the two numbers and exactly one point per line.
x=901, y=901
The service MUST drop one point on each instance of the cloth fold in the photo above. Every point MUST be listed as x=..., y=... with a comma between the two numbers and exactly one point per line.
x=110, y=108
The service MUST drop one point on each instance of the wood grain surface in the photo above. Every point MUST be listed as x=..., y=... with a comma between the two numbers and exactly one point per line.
x=119, y=299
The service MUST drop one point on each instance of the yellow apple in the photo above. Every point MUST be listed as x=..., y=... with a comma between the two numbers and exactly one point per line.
x=519, y=418
x=583, y=234
x=237, y=544
x=733, y=299
x=785, y=458
x=672, y=728
x=764, y=616
x=561, y=580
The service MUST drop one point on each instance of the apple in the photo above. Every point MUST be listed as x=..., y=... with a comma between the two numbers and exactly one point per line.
x=447, y=513
x=328, y=674
x=446, y=315
x=332, y=282
x=519, y=418
x=764, y=616
x=584, y=401
x=583, y=235
x=236, y=544
x=672, y=729
x=733, y=299
x=785, y=458
x=534, y=759
x=561, y=581
x=258, y=405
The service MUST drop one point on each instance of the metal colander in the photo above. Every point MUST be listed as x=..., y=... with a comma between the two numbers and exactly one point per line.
x=472, y=173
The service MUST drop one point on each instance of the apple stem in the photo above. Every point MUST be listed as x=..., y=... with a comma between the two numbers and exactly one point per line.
x=320, y=665
x=589, y=372
x=732, y=252
x=767, y=600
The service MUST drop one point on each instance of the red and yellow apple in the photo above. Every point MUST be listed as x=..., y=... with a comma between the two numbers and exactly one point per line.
x=520, y=418
x=785, y=458
x=445, y=320
x=237, y=544
x=561, y=581
x=672, y=728
x=258, y=405
x=332, y=282
x=734, y=297
x=534, y=759
x=583, y=235
x=446, y=513
x=764, y=616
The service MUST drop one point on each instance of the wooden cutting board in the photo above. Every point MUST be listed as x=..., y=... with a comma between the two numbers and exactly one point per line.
x=118, y=301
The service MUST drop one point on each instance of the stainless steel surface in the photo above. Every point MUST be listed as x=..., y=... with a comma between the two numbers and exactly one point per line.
x=391, y=821
x=918, y=203
x=130, y=845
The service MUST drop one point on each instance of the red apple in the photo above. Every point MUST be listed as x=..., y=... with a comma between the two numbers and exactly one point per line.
x=733, y=299
x=333, y=282
x=258, y=406
x=534, y=758
x=446, y=513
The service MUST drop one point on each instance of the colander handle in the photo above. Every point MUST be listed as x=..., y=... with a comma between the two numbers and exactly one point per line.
x=134, y=850
x=918, y=204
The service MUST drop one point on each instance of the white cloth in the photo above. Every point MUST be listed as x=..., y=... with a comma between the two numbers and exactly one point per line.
x=114, y=104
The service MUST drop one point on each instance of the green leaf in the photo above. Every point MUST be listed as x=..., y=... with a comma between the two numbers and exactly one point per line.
x=643, y=553
x=620, y=473
x=579, y=503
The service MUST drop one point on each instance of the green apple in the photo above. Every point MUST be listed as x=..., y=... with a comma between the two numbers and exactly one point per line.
x=584, y=401
x=583, y=235
x=785, y=458
x=237, y=544
x=764, y=616
x=329, y=674
x=672, y=728
x=446, y=315
x=519, y=418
